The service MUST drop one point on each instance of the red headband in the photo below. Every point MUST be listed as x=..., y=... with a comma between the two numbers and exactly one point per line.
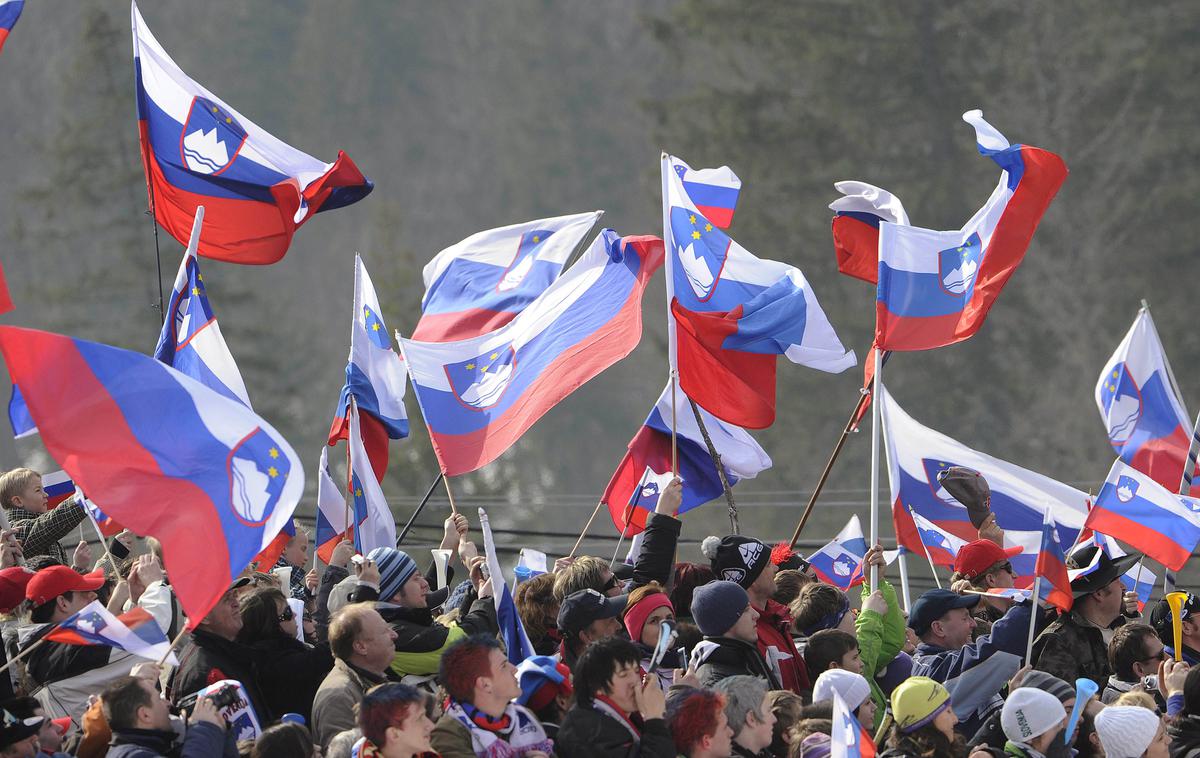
x=636, y=615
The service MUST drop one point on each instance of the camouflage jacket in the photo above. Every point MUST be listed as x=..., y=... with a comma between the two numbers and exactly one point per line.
x=1072, y=647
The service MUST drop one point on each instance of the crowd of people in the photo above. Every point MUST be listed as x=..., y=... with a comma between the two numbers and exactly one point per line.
x=749, y=655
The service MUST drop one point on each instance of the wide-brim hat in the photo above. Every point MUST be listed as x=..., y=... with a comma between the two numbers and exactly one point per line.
x=1105, y=572
x=968, y=487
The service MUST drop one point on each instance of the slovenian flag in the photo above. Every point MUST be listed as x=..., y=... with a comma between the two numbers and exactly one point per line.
x=1148, y=516
x=1051, y=566
x=197, y=150
x=331, y=510
x=191, y=339
x=478, y=396
x=941, y=546
x=714, y=191
x=935, y=288
x=512, y=631
x=18, y=415
x=375, y=378
x=849, y=738
x=134, y=631
x=856, y=219
x=633, y=492
x=483, y=282
x=732, y=314
x=105, y=523
x=1143, y=412
x=10, y=11
x=374, y=526
x=1015, y=594
x=840, y=562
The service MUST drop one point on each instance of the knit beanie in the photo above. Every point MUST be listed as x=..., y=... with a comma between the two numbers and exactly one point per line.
x=395, y=568
x=816, y=745
x=917, y=701
x=1050, y=683
x=717, y=606
x=636, y=614
x=1029, y=713
x=851, y=686
x=1126, y=731
x=735, y=558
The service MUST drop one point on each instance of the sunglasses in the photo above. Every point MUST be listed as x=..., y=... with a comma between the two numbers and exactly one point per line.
x=287, y=615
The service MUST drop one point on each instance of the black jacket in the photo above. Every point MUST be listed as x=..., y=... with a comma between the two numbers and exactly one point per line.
x=1185, y=737
x=288, y=673
x=54, y=661
x=587, y=733
x=730, y=658
x=207, y=658
x=657, y=556
x=332, y=576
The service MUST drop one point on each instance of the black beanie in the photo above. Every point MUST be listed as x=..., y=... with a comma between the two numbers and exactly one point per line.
x=736, y=558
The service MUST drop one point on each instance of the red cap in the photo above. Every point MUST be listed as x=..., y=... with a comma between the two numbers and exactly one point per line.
x=53, y=581
x=63, y=725
x=976, y=557
x=12, y=587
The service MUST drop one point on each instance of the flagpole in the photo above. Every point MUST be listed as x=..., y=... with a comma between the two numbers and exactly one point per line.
x=450, y=495
x=153, y=213
x=586, y=527
x=1033, y=614
x=674, y=434
x=863, y=397
x=104, y=544
x=903, y=558
x=170, y=647
x=350, y=472
x=668, y=270
x=875, y=435
x=716, y=457
x=420, y=507
x=928, y=557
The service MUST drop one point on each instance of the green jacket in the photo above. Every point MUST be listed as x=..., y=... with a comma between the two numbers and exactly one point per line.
x=880, y=638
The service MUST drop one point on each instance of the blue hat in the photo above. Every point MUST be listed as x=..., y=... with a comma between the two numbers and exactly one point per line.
x=717, y=606
x=933, y=605
x=537, y=671
x=395, y=568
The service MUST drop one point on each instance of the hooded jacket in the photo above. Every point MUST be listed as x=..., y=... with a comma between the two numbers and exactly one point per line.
x=718, y=657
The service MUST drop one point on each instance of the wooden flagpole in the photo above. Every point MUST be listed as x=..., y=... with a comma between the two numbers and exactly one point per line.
x=716, y=457
x=450, y=495
x=586, y=527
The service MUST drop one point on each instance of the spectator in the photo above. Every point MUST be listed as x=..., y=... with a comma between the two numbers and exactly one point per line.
x=1086, y=741
x=394, y=723
x=685, y=578
x=1134, y=654
x=420, y=641
x=747, y=562
x=141, y=723
x=50, y=736
x=286, y=740
x=38, y=528
x=148, y=588
x=1074, y=645
x=852, y=688
x=1032, y=720
x=749, y=715
x=1184, y=702
x=336, y=572
x=615, y=713
x=481, y=718
x=881, y=632
x=814, y=745
x=832, y=648
x=363, y=645
x=788, y=584
x=723, y=611
x=295, y=557
x=213, y=654
x=923, y=722
x=943, y=621
x=648, y=606
x=19, y=737
x=586, y=573
x=1159, y=616
x=13, y=581
x=546, y=690
x=698, y=724
x=991, y=735
x=585, y=617
x=538, y=609
x=785, y=708
x=1129, y=731
x=287, y=671
x=984, y=564
x=342, y=744
x=821, y=606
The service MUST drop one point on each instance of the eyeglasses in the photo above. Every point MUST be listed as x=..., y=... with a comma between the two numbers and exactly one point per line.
x=1162, y=655
x=287, y=615
x=612, y=584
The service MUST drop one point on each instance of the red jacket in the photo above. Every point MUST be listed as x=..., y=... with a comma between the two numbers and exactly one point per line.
x=774, y=628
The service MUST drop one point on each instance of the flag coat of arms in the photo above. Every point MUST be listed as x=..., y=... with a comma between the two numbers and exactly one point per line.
x=483, y=282
x=935, y=288
x=134, y=631
x=1020, y=498
x=1143, y=412
x=941, y=546
x=161, y=453
x=840, y=562
x=1148, y=516
x=478, y=396
x=197, y=150
x=645, y=471
x=732, y=314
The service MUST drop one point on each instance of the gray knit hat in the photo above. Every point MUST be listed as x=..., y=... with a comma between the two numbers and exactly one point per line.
x=395, y=568
x=717, y=606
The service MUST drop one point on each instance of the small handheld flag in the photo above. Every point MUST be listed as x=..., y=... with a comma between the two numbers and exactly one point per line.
x=1052, y=567
x=134, y=631
x=512, y=631
x=849, y=738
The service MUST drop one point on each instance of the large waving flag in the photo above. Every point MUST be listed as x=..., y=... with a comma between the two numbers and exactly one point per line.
x=1051, y=566
x=512, y=631
x=935, y=288
x=714, y=191
x=134, y=631
x=856, y=218
x=197, y=150
x=373, y=523
x=478, y=396
x=331, y=510
x=10, y=11
x=733, y=314
x=375, y=378
x=18, y=415
x=1141, y=406
x=191, y=340
x=645, y=471
x=1020, y=498
x=483, y=282
x=1148, y=516
x=161, y=453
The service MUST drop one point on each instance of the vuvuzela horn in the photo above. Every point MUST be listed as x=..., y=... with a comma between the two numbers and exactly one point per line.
x=1176, y=601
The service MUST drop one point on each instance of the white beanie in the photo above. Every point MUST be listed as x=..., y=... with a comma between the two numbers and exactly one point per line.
x=1029, y=713
x=1126, y=731
x=851, y=686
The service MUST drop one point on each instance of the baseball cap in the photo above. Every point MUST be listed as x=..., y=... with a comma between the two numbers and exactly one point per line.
x=579, y=609
x=53, y=581
x=13, y=581
x=13, y=729
x=976, y=557
x=934, y=604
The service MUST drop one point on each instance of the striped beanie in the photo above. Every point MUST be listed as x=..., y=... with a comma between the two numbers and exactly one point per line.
x=395, y=568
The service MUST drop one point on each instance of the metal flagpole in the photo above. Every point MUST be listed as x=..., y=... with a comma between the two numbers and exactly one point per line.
x=903, y=558
x=875, y=435
x=1033, y=614
x=668, y=269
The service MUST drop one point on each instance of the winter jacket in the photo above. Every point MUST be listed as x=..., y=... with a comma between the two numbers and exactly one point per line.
x=333, y=705
x=207, y=659
x=657, y=555
x=588, y=733
x=1185, y=737
x=203, y=740
x=39, y=533
x=288, y=673
x=716, y=658
x=420, y=641
x=1073, y=647
x=880, y=639
x=774, y=627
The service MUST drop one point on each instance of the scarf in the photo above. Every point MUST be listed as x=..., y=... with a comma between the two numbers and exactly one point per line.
x=603, y=704
x=514, y=734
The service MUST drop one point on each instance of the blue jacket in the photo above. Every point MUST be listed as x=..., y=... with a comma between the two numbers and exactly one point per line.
x=203, y=740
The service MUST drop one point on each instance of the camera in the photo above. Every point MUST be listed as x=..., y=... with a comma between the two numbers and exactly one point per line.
x=222, y=698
